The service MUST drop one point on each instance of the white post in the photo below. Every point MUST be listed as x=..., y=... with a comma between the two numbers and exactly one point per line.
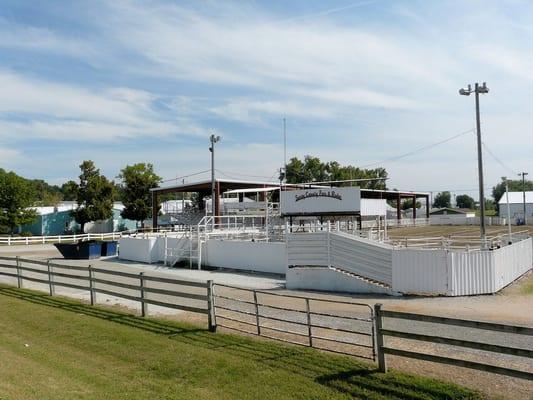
x=510, y=240
x=328, y=242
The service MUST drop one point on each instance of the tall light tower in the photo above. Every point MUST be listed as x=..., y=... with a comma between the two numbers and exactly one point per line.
x=466, y=92
x=523, y=174
x=213, y=139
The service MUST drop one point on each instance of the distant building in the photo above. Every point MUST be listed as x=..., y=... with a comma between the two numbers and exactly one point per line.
x=453, y=211
x=59, y=221
x=516, y=205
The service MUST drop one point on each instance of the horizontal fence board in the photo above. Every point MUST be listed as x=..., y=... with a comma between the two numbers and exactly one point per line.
x=116, y=273
x=193, y=296
x=523, y=330
x=30, y=261
x=240, y=321
x=35, y=270
x=7, y=266
x=71, y=267
x=461, y=363
x=117, y=284
x=176, y=281
x=461, y=343
x=14, y=275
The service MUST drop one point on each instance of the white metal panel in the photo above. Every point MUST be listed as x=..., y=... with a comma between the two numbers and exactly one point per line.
x=361, y=256
x=239, y=254
x=472, y=273
x=511, y=262
x=419, y=271
x=307, y=249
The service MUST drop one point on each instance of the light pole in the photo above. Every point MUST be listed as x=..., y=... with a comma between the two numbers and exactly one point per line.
x=524, y=194
x=508, y=208
x=213, y=139
x=466, y=92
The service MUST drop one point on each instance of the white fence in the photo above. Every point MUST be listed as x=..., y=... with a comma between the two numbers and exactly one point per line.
x=14, y=240
x=459, y=273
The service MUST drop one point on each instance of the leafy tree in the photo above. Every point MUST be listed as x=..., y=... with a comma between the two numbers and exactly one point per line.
x=408, y=204
x=16, y=199
x=44, y=190
x=465, y=201
x=51, y=199
x=137, y=180
x=514, y=186
x=94, y=196
x=69, y=190
x=311, y=169
x=442, y=200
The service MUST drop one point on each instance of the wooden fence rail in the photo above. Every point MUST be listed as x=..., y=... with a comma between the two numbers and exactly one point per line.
x=90, y=279
x=383, y=349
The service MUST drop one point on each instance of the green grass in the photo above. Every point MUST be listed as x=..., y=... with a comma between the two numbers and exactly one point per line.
x=80, y=352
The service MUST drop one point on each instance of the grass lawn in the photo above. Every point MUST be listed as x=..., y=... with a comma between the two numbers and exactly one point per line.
x=55, y=348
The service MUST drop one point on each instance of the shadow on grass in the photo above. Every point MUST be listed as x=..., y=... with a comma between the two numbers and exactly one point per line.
x=344, y=374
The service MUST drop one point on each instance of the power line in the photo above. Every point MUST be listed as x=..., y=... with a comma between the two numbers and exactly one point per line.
x=427, y=147
x=498, y=160
x=229, y=173
x=185, y=176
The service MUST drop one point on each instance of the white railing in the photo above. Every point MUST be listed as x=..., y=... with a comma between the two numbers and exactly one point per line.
x=460, y=242
x=27, y=240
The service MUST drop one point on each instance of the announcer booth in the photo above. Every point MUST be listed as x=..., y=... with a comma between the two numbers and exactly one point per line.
x=322, y=203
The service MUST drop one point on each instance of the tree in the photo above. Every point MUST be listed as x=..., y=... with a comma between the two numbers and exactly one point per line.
x=514, y=186
x=442, y=200
x=465, y=201
x=137, y=180
x=16, y=199
x=69, y=190
x=94, y=196
x=408, y=204
x=311, y=169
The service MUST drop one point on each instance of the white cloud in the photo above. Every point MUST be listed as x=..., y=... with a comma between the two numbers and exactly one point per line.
x=66, y=112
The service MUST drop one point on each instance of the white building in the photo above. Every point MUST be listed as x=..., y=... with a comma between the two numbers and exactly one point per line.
x=516, y=205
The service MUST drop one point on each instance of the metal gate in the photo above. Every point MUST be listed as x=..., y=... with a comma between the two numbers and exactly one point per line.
x=336, y=326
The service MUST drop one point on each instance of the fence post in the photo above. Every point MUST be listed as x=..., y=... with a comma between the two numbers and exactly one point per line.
x=211, y=317
x=257, y=314
x=144, y=305
x=309, y=331
x=19, y=274
x=50, y=278
x=382, y=365
x=328, y=243
x=91, y=286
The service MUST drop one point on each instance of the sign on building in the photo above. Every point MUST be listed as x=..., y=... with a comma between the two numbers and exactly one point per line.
x=327, y=201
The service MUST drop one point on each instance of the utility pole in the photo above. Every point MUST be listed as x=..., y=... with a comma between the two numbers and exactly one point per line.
x=524, y=194
x=213, y=139
x=466, y=92
x=508, y=209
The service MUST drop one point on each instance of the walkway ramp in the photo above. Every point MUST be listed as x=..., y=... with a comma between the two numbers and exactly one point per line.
x=366, y=259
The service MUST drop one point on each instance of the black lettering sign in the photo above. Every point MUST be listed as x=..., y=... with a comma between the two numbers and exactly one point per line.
x=317, y=194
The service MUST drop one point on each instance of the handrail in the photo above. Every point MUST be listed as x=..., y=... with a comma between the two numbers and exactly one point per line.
x=11, y=240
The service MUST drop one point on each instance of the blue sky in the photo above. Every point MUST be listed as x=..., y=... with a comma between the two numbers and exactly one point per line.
x=121, y=82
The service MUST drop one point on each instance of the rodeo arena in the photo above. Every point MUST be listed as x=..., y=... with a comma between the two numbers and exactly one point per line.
x=294, y=262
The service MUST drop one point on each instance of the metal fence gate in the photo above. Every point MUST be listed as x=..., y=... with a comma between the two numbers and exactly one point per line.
x=336, y=326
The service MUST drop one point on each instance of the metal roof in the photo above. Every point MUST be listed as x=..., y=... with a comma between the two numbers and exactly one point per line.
x=517, y=198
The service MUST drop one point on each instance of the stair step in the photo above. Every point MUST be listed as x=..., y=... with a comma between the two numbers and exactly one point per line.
x=362, y=278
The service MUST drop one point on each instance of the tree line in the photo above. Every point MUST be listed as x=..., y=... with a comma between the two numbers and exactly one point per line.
x=94, y=195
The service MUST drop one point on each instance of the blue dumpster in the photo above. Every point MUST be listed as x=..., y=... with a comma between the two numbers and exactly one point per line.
x=80, y=251
x=109, y=248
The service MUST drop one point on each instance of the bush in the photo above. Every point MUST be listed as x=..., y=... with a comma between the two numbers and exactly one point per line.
x=26, y=234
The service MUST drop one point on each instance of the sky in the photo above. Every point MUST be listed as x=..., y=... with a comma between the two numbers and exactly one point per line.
x=367, y=83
